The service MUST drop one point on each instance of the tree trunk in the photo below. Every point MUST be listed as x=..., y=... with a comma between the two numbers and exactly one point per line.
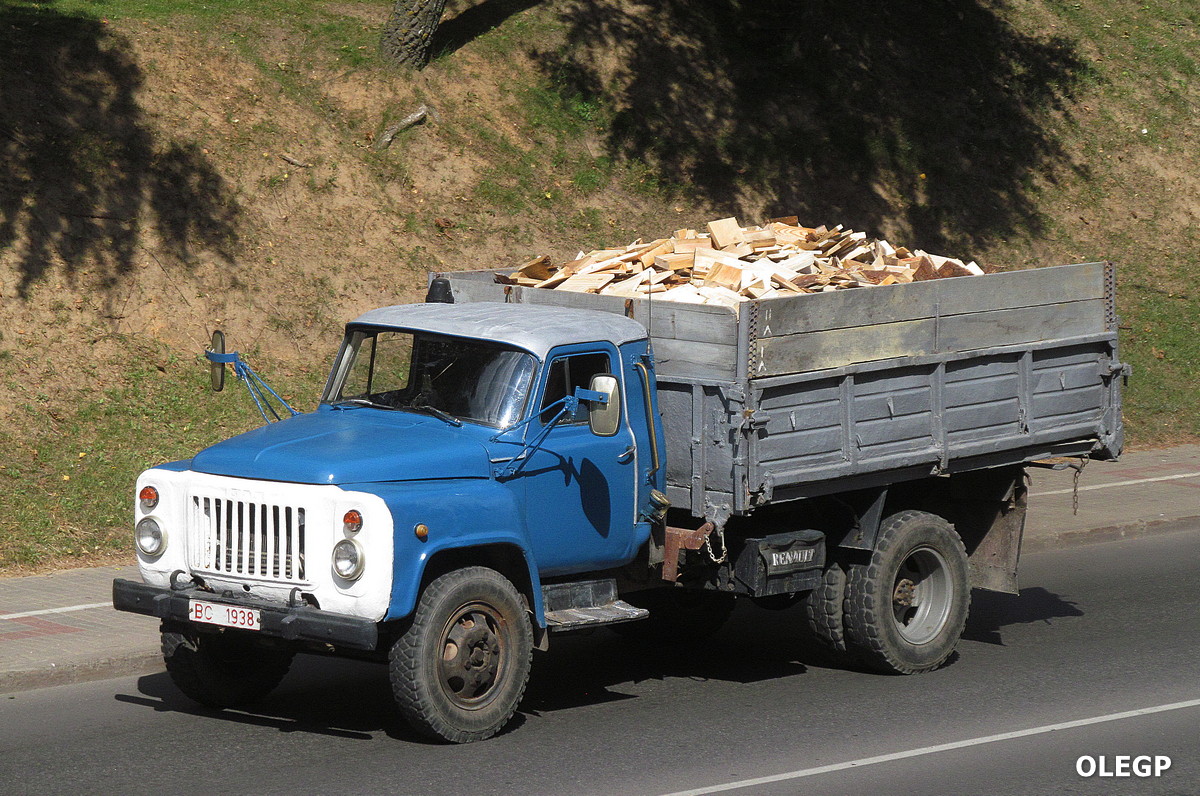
x=409, y=31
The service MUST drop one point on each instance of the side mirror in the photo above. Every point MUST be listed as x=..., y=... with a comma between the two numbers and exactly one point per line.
x=604, y=418
x=216, y=370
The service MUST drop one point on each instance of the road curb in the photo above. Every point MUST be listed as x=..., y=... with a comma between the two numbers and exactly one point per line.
x=1132, y=530
x=147, y=662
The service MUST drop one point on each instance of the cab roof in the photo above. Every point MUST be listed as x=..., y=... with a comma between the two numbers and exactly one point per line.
x=537, y=328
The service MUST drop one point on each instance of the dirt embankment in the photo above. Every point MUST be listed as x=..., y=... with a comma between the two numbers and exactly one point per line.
x=159, y=180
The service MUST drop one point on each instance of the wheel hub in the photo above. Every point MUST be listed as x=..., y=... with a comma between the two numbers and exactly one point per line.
x=903, y=595
x=472, y=654
x=921, y=596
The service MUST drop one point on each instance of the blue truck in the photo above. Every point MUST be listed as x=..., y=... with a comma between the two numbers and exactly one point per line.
x=500, y=464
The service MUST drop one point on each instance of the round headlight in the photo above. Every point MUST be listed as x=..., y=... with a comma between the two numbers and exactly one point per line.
x=148, y=498
x=150, y=537
x=348, y=559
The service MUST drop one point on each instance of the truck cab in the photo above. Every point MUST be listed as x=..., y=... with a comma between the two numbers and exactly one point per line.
x=449, y=438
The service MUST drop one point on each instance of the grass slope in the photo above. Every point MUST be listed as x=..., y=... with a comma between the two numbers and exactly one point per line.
x=169, y=168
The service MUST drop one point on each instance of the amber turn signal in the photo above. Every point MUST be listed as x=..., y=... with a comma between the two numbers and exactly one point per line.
x=148, y=497
x=353, y=521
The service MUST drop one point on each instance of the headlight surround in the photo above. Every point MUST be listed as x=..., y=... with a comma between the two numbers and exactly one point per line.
x=149, y=536
x=348, y=559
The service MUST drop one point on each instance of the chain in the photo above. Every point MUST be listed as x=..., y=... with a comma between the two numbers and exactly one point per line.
x=709, y=549
x=1078, y=468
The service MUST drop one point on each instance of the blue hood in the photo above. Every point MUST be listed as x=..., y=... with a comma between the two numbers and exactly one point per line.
x=348, y=446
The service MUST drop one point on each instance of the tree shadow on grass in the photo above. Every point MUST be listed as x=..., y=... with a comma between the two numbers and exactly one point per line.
x=83, y=175
x=473, y=21
x=920, y=118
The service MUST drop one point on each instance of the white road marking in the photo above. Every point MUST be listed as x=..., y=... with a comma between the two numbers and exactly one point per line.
x=66, y=610
x=930, y=750
x=1116, y=483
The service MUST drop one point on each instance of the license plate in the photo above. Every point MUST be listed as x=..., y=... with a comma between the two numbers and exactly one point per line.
x=224, y=615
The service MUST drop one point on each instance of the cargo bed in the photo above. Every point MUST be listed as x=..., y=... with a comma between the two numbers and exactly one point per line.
x=793, y=397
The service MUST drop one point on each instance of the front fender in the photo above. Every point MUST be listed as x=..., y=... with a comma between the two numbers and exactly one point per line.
x=459, y=514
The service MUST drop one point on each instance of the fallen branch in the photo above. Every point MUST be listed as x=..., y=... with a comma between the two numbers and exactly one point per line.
x=416, y=117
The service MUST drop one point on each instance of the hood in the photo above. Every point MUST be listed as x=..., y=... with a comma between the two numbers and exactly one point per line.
x=358, y=445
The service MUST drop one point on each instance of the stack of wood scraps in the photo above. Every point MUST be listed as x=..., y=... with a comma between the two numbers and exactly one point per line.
x=728, y=263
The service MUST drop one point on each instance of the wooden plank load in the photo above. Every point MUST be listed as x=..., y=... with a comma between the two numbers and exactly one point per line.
x=727, y=264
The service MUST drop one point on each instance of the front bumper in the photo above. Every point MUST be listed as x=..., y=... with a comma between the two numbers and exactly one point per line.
x=291, y=623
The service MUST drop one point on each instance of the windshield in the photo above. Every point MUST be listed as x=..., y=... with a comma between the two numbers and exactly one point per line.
x=449, y=377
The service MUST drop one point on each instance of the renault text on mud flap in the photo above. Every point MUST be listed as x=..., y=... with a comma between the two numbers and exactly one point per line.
x=781, y=559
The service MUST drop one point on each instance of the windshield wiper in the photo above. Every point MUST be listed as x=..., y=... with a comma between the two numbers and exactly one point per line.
x=441, y=414
x=347, y=402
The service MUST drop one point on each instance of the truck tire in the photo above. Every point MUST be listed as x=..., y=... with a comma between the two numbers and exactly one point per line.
x=677, y=615
x=221, y=670
x=460, y=669
x=823, y=608
x=906, y=607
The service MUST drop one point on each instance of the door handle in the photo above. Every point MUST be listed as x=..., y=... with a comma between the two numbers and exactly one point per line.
x=626, y=454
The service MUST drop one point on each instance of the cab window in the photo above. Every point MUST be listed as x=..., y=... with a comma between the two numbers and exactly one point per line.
x=566, y=373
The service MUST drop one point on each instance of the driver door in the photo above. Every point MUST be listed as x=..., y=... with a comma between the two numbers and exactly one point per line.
x=579, y=486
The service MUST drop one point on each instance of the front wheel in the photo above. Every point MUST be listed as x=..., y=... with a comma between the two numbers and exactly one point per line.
x=221, y=670
x=907, y=606
x=460, y=669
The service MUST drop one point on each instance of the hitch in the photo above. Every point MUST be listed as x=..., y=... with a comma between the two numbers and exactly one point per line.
x=679, y=539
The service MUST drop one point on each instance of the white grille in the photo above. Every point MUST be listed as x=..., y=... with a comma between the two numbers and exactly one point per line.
x=246, y=538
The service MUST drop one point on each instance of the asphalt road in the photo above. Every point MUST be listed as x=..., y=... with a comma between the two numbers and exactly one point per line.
x=1099, y=656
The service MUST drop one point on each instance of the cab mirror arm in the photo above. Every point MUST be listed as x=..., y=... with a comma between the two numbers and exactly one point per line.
x=568, y=405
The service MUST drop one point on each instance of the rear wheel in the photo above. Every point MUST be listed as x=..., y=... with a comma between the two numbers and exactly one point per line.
x=460, y=669
x=824, y=607
x=221, y=670
x=907, y=606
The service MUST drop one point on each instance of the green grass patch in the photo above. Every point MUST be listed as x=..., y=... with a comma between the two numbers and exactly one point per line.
x=552, y=108
x=1162, y=343
x=593, y=176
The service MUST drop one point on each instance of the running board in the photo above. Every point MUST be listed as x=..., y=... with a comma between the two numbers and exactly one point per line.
x=612, y=614
x=586, y=603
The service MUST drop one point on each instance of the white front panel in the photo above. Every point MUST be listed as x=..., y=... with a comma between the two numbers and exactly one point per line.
x=267, y=539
